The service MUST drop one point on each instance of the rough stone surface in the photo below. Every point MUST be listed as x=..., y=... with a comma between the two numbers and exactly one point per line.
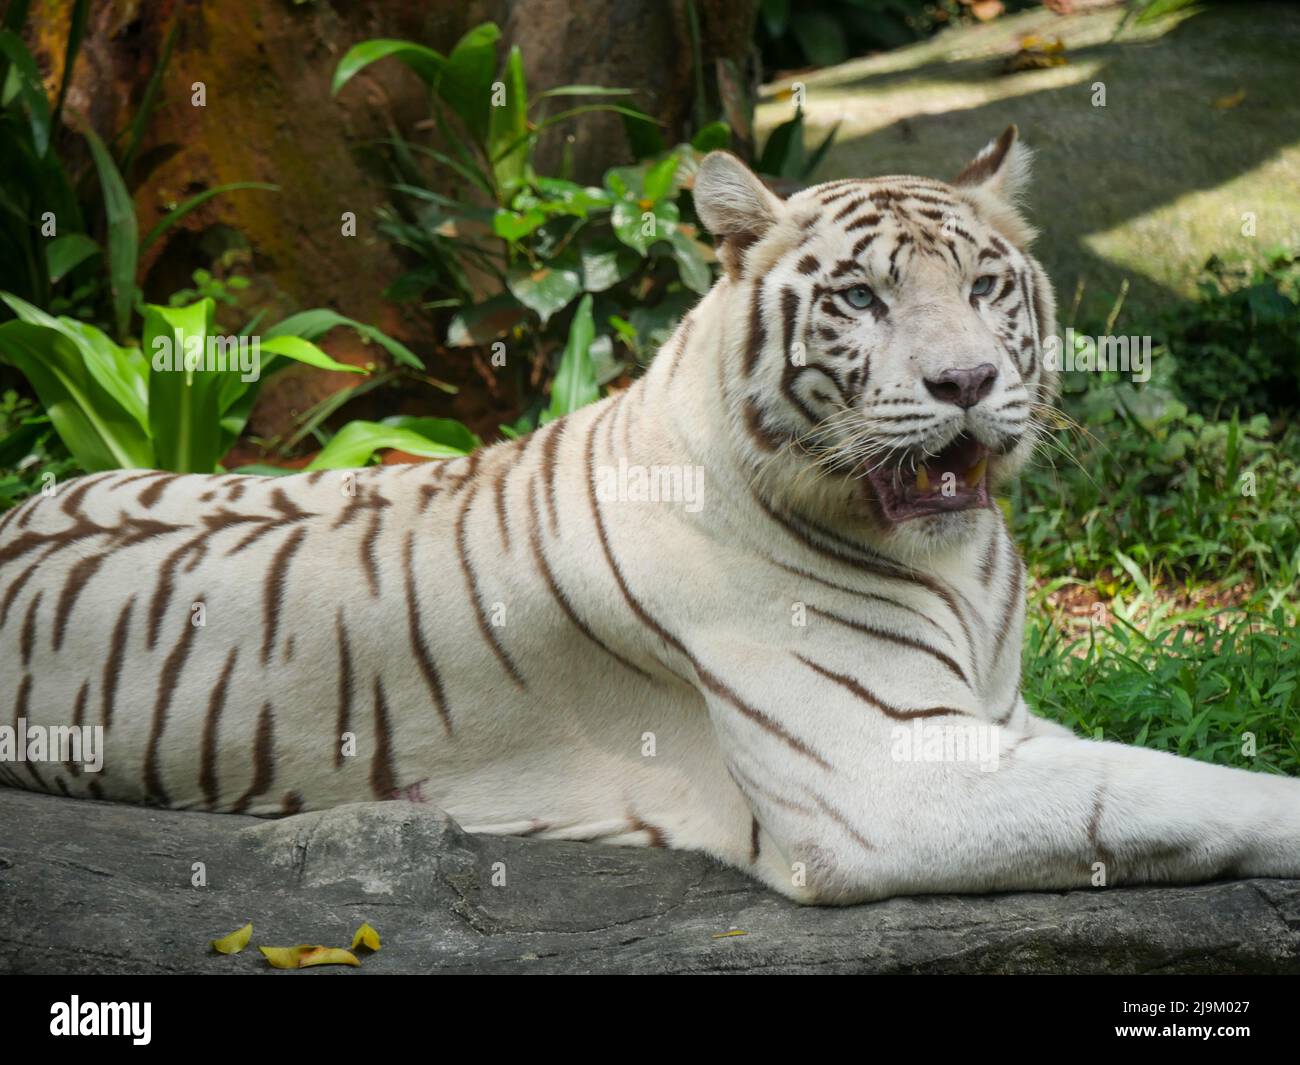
x=95, y=888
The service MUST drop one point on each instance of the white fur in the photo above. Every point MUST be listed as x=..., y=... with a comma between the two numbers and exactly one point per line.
x=710, y=710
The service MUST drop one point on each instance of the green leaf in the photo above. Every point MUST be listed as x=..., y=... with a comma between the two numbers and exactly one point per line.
x=30, y=89
x=121, y=372
x=716, y=136
x=639, y=226
x=546, y=290
x=426, y=63
x=123, y=235
x=98, y=432
x=508, y=129
x=659, y=178
x=605, y=263
x=64, y=254
x=575, y=380
x=512, y=225
x=691, y=264
x=304, y=351
x=314, y=323
x=466, y=81
x=184, y=409
x=356, y=442
x=445, y=431
x=783, y=154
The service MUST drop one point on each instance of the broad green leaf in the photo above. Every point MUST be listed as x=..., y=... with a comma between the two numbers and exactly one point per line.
x=426, y=63
x=691, y=264
x=513, y=225
x=466, y=81
x=575, y=379
x=545, y=290
x=446, y=431
x=605, y=263
x=356, y=442
x=314, y=323
x=121, y=372
x=638, y=225
x=94, y=427
x=508, y=129
x=64, y=254
x=123, y=235
x=184, y=408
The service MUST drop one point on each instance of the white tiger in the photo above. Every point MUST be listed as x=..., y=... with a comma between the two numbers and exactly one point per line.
x=747, y=674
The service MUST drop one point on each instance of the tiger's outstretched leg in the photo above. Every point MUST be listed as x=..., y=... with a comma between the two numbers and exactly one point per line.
x=867, y=816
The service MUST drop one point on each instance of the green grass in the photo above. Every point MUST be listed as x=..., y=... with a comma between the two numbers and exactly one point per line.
x=1183, y=530
x=1178, y=683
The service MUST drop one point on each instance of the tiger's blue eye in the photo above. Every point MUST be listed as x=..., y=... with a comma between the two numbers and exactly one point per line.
x=983, y=286
x=859, y=297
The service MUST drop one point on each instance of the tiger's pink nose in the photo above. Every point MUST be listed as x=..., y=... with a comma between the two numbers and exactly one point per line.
x=963, y=387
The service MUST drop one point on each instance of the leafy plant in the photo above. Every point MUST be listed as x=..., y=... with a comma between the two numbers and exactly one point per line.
x=56, y=263
x=1237, y=348
x=1195, y=684
x=125, y=406
x=30, y=450
x=510, y=252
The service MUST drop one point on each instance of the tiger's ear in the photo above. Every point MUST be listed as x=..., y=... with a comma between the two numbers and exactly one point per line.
x=1001, y=168
x=734, y=205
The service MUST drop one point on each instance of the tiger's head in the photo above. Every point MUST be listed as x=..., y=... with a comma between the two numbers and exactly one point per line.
x=884, y=338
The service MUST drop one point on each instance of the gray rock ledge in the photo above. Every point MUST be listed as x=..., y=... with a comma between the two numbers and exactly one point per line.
x=90, y=887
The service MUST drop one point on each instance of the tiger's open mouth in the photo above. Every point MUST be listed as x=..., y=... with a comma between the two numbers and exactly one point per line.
x=957, y=478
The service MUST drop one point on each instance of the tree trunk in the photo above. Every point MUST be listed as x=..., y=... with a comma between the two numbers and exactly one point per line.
x=246, y=97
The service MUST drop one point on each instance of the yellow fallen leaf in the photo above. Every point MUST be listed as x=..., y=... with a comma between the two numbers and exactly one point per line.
x=366, y=937
x=235, y=942
x=1226, y=103
x=728, y=935
x=304, y=956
